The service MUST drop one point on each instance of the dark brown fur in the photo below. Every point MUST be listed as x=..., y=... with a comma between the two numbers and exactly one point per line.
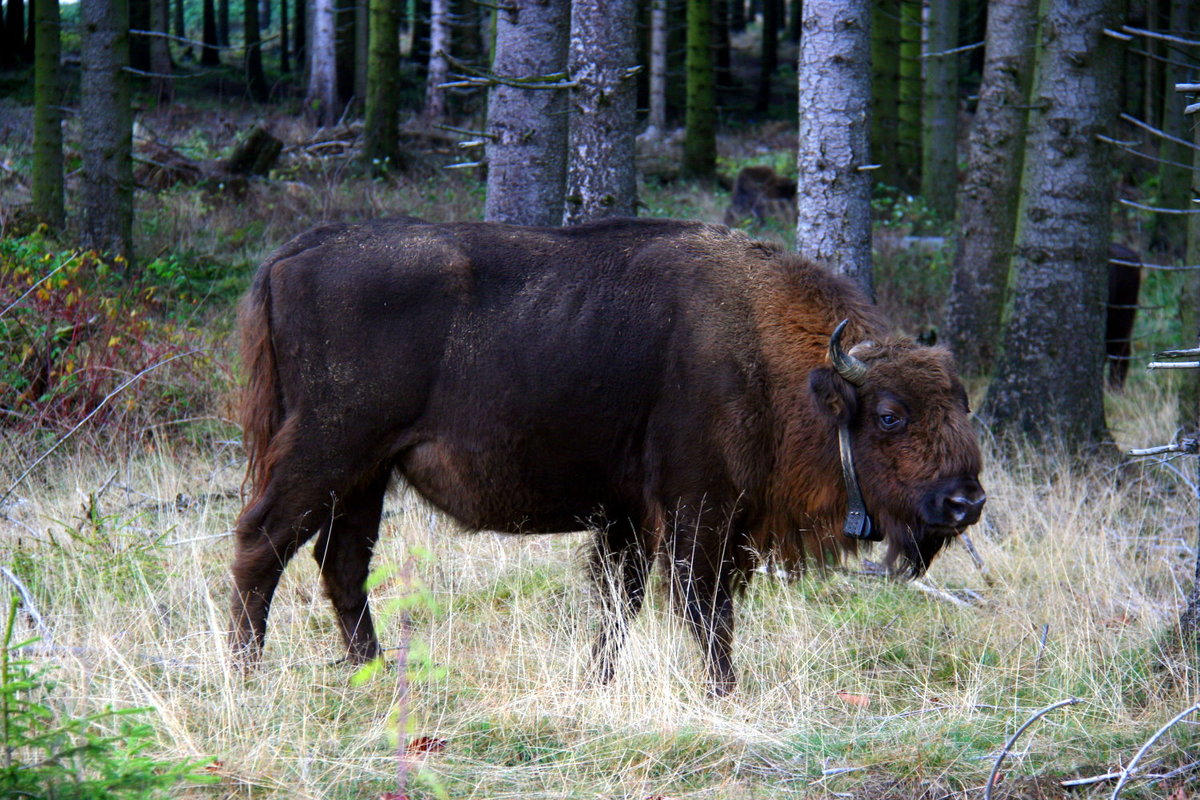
x=662, y=383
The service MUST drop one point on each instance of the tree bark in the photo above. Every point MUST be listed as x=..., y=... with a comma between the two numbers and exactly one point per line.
x=1168, y=232
x=47, y=118
x=1050, y=378
x=658, y=66
x=833, y=221
x=223, y=22
x=381, y=144
x=177, y=26
x=1189, y=621
x=362, y=51
x=939, y=110
x=107, y=133
x=602, y=170
x=987, y=200
x=908, y=132
x=256, y=80
x=700, y=138
x=439, y=66
x=322, y=96
x=208, y=53
x=527, y=127
x=300, y=36
x=162, y=85
x=285, y=65
x=769, y=60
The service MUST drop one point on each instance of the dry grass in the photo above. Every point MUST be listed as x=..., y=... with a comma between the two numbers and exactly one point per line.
x=913, y=694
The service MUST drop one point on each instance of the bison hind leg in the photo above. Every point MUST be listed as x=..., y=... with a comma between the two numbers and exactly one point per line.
x=343, y=552
x=619, y=565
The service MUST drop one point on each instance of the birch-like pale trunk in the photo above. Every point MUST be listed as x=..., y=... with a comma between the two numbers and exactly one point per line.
x=527, y=127
x=833, y=192
x=322, y=95
x=107, y=127
x=1050, y=377
x=987, y=198
x=602, y=169
x=439, y=67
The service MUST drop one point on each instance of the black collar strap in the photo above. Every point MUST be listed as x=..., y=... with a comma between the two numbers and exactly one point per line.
x=858, y=521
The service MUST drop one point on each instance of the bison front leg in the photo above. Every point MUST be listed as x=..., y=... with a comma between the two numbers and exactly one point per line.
x=619, y=565
x=343, y=552
x=701, y=577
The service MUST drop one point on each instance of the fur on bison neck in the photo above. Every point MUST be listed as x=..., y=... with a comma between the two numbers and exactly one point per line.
x=663, y=383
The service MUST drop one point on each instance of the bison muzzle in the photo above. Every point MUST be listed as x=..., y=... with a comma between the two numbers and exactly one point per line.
x=667, y=385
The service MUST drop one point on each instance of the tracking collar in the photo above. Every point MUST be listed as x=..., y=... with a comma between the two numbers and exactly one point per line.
x=858, y=521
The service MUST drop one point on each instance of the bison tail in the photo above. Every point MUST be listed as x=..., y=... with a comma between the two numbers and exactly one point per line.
x=261, y=411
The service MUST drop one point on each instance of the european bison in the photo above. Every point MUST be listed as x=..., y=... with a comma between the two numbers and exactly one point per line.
x=665, y=384
x=760, y=193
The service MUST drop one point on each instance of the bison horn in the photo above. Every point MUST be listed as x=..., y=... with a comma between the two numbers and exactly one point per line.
x=849, y=367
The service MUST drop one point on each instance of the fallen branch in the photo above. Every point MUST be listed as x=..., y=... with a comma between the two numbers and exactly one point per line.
x=1131, y=768
x=27, y=601
x=991, y=781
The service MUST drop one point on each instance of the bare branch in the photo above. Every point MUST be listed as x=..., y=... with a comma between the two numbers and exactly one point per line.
x=1161, y=134
x=40, y=281
x=1165, y=37
x=1126, y=771
x=1157, y=209
x=991, y=781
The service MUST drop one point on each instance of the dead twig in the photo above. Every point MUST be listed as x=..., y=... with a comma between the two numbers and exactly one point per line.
x=991, y=781
x=1128, y=770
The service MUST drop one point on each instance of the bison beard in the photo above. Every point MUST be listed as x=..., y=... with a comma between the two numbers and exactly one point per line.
x=665, y=384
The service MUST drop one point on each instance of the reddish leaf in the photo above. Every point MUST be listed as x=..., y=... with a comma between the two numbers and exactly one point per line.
x=393, y=796
x=858, y=700
x=425, y=744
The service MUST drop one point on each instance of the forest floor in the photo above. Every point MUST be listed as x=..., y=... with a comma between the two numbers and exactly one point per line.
x=851, y=686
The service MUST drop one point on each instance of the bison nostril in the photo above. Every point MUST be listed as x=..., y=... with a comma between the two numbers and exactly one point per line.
x=965, y=509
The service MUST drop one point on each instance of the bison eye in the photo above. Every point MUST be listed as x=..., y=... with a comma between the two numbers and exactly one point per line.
x=890, y=422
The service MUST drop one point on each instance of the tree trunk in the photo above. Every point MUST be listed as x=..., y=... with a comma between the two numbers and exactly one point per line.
x=223, y=23
x=939, y=129
x=833, y=221
x=264, y=15
x=300, y=36
x=419, y=53
x=908, y=132
x=769, y=61
x=139, y=45
x=885, y=86
x=285, y=65
x=107, y=133
x=722, y=48
x=1168, y=232
x=208, y=53
x=527, y=127
x=344, y=33
x=162, y=85
x=439, y=67
x=1189, y=621
x=381, y=146
x=47, y=118
x=256, y=80
x=658, y=66
x=602, y=170
x=14, y=28
x=700, y=139
x=1051, y=373
x=177, y=26
x=987, y=201
x=322, y=96
x=362, y=51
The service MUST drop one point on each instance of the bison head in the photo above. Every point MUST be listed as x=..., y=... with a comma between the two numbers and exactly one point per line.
x=915, y=452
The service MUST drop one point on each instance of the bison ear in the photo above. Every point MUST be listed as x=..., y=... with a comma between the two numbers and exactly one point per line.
x=834, y=394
